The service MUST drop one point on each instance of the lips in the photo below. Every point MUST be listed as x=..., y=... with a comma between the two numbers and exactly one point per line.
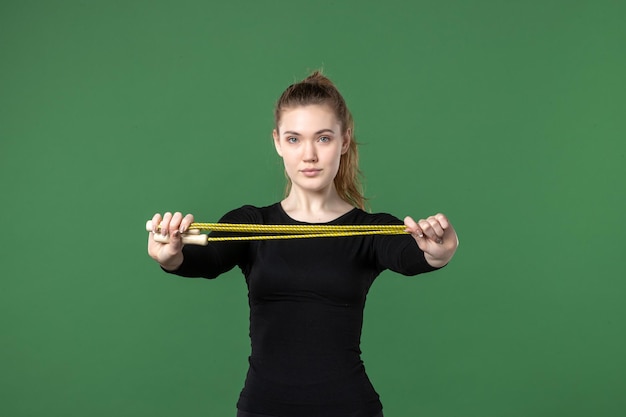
x=310, y=172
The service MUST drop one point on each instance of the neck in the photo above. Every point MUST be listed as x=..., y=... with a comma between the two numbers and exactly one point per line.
x=315, y=207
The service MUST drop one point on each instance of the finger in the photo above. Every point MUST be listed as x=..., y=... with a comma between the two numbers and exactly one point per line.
x=410, y=224
x=184, y=224
x=443, y=220
x=425, y=226
x=174, y=226
x=437, y=228
x=165, y=223
x=156, y=221
x=429, y=231
x=412, y=227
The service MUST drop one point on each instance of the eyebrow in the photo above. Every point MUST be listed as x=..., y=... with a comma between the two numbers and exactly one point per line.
x=319, y=132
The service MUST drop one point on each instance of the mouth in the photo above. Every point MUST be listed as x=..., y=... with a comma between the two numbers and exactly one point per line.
x=310, y=172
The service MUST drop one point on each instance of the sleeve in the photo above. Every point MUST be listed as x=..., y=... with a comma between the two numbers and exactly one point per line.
x=399, y=253
x=216, y=258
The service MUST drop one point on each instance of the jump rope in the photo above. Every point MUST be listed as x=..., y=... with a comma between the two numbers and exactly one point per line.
x=194, y=235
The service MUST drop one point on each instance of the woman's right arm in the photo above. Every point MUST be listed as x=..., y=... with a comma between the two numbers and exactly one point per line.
x=169, y=255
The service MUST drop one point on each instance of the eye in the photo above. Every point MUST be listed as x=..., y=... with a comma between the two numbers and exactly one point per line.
x=292, y=139
x=324, y=139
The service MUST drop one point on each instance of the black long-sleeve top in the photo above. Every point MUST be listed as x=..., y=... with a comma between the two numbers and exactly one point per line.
x=306, y=300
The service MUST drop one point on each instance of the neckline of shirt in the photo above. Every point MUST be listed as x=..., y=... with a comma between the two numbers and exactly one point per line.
x=294, y=221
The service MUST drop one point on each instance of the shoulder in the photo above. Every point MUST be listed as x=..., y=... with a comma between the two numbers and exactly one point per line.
x=250, y=214
x=358, y=216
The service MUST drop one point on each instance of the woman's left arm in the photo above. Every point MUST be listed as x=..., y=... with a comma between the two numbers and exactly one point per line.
x=435, y=236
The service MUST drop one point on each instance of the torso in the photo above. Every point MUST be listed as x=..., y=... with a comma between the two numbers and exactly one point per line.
x=306, y=300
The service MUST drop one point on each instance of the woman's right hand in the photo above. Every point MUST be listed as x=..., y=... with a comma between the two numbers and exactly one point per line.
x=168, y=255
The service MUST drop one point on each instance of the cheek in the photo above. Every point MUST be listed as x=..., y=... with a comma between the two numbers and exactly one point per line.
x=336, y=155
x=289, y=159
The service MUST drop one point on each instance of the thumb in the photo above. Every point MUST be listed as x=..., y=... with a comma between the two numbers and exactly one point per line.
x=413, y=228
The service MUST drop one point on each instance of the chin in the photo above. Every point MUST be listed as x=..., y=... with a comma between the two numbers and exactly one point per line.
x=316, y=188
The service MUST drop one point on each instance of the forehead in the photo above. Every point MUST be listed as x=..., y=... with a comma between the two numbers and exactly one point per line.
x=307, y=118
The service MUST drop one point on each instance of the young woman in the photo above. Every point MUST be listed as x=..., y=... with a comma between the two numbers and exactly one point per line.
x=307, y=296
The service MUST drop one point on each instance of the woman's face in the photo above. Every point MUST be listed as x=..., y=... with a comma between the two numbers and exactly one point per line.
x=310, y=141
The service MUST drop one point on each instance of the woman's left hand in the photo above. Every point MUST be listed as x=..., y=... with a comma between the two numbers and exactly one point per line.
x=435, y=236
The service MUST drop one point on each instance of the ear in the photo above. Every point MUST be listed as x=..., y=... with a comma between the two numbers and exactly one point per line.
x=277, y=142
x=347, y=139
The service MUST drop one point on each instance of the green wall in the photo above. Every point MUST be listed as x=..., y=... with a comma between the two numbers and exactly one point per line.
x=508, y=116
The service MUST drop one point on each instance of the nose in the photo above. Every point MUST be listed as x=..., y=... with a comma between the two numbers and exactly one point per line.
x=309, y=153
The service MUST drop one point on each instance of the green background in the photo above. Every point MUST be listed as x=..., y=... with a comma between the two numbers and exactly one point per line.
x=508, y=116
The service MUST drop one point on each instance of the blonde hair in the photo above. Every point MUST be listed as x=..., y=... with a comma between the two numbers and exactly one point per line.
x=318, y=89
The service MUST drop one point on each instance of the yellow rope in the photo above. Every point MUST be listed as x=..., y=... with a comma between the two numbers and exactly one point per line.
x=274, y=231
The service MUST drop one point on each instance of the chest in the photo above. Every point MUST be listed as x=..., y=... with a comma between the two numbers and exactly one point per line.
x=330, y=270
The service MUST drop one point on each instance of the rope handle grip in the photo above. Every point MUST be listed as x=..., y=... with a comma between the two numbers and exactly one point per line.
x=192, y=237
